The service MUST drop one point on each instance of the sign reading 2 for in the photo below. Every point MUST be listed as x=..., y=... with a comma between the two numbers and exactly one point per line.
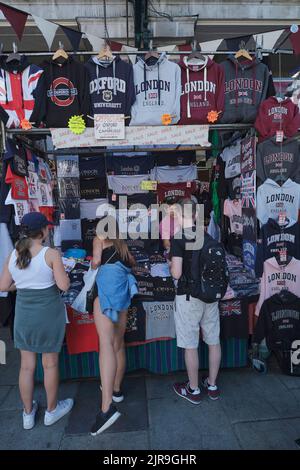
x=2, y=353
x=296, y=353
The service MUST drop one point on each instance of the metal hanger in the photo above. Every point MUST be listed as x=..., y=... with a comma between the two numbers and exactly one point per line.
x=196, y=53
x=60, y=52
x=242, y=52
x=151, y=53
x=14, y=55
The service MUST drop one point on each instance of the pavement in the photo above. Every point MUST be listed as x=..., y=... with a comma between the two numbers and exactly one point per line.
x=255, y=412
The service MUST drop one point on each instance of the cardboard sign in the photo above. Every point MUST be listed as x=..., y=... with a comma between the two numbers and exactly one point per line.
x=109, y=126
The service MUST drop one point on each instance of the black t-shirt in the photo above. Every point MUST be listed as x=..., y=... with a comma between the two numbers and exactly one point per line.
x=69, y=208
x=178, y=249
x=95, y=188
x=88, y=229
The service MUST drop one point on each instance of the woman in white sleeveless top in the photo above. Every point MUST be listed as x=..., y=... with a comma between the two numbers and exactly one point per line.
x=37, y=273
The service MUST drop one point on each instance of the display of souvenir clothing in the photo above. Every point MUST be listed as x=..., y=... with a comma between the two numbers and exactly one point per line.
x=277, y=114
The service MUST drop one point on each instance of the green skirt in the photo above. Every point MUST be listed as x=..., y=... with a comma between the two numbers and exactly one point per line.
x=40, y=320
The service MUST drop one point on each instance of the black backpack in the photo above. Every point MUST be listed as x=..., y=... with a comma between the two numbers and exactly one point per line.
x=209, y=271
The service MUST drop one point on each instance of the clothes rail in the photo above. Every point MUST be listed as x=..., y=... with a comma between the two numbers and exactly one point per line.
x=139, y=52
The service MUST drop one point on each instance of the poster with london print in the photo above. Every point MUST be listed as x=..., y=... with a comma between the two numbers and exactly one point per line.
x=248, y=154
x=248, y=189
x=249, y=224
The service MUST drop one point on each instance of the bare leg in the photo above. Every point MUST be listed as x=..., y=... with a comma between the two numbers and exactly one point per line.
x=107, y=358
x=119, y=348
x=51, y=379
x=26, y=379
x=192, y=365
x=214, y=362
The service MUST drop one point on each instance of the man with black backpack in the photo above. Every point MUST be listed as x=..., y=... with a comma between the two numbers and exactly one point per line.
x=202, y=281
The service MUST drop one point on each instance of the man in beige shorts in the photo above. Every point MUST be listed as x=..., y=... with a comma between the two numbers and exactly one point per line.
x=191, y=314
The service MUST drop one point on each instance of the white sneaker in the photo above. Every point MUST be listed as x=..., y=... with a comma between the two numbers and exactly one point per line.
x=63, y=407
x=29, y=419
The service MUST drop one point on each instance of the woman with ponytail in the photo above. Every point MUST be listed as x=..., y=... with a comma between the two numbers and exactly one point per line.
x=116, y=286
x=37, y=273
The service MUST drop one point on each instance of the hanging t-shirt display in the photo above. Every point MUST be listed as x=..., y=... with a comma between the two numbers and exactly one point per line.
x=273, y=200
x=233, y=319
x=19, y=188
x=278, y=160
x=159, y=320
x=136, y=165
x=274, y=238
x=88, y=228
x=68, y=187
x=133, y=199
x=233, y=210
x=275, y=115
x=171, y=158
x=69, y=208
x=249, y=255
x=277, y=277
x=94, y=188
x=172, y=192
x=171, y=174
x=92, y=167
x=157, y=90
x=126, y=184
x=232, y=157
x=249, y=223
x=61, y=93
x=67, y=166
x=246, y=85
x=70, y=229
x=202, y=89
x=111, y=85
x=136, y=322
x=88, y=208
x=233, y=187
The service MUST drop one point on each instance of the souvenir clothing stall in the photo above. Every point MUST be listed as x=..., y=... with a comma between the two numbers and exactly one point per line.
x=164, y=154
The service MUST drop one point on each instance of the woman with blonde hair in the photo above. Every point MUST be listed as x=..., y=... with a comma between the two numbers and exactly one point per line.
x=116, y=286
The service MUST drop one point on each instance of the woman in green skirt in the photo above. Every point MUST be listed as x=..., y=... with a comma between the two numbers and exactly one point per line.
x=37, y=273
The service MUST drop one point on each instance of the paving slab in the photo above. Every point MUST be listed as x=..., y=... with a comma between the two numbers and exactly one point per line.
x=269, y=435
x=242, y=398
x=290, y=382
x=13, y=400
x=5, y=336
x=14, y=437
x=9, y=373
x=177, y=424
x=107, y=441
x=160, y=386
x=4, y=390
x=133, y=409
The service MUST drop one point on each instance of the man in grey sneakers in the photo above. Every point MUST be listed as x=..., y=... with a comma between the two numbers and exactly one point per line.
x=192, y=313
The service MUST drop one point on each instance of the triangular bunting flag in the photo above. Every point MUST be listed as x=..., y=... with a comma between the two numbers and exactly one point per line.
x=115, y=46
x=73, y=36
x=233, y=44
x=268, y=40
x=295, y=41
x=132, y=57
x=95, y=42
x=208, y=46
x=16, y=18
x=47, y=28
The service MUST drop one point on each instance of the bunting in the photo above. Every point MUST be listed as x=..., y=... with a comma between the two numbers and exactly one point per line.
x=47, y=28
x=73, y=36
x=16, y=18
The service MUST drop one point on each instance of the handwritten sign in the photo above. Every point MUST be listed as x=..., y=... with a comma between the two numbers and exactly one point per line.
x=109, y=126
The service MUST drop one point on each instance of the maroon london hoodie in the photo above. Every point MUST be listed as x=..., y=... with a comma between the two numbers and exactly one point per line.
x=202, y=90
x=275, y=115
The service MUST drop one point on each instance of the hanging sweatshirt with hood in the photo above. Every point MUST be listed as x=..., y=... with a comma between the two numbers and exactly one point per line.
x=202, y=90
x=62, y=92
x=277, y=277
x=111, y=86
x=274, y=115
x=274, y=238
x=157, y=90
x=246, y=85
x=273, y=199
x=18, y=80
x=278, y=160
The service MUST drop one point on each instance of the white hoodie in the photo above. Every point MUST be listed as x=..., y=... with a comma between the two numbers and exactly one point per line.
x=273, y=199
x=158, y=91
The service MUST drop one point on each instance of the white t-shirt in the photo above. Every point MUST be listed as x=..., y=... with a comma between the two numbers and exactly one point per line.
x=232, y=158
x=174, y=174
x=123, y=184
x=233, y=210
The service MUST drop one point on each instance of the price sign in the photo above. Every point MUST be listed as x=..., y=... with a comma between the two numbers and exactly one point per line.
x=149, y=185
x=109, y=126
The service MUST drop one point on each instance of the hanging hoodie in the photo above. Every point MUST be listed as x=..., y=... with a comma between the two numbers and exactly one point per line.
x=246, y=85
x=275, y=114
x=277, y=277
x=202, y=90
x=274, y=238
x=18, y=81
x=278, y=160
x=62, y=93
x=273, y=199
x=157, y=90
x=111, y=86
